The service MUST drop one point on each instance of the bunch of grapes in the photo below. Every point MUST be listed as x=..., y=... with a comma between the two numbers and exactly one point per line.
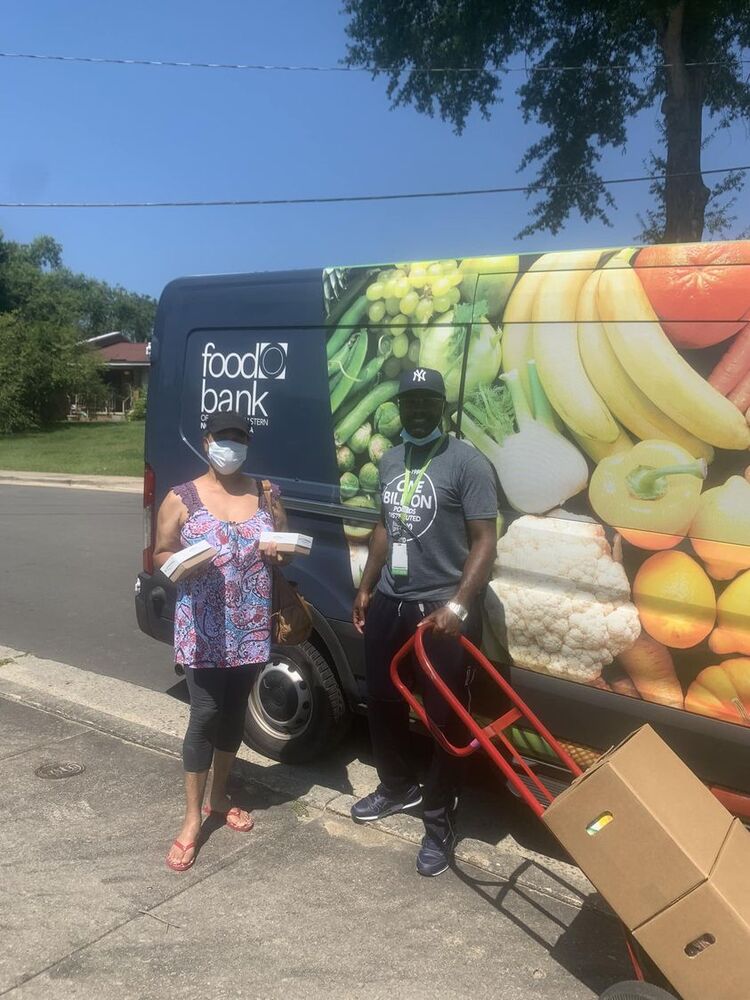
x=410, y=295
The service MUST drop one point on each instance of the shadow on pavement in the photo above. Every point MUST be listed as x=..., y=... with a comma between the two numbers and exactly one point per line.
x=606, y=956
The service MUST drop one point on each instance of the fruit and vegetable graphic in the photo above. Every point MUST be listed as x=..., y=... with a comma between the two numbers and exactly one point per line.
x=610, y=390
x=720, y=531
x=650, y=493
x=722, y=691
x=675, y=599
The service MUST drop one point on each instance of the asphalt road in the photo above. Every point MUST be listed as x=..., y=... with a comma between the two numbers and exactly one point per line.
x=68, y=562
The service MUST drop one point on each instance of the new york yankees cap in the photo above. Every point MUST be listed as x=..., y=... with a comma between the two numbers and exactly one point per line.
x=426, y=379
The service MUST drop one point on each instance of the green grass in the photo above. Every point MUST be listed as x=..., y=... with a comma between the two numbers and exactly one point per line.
x=87, y=449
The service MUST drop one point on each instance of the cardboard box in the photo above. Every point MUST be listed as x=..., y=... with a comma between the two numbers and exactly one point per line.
x=642, y=827
x=702, y=942
x=187, y=560
x=287, y=541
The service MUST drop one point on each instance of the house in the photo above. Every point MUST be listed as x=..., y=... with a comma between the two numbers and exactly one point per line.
x=126, y=370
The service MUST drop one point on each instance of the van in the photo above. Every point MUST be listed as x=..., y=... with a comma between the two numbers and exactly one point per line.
x=610, y=389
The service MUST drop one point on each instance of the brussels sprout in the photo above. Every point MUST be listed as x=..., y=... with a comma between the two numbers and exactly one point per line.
x=349, y=486
x=361, y=501
x=387, y=420
x=360, y=439
x=377, y=447
x=359, y=532
x=369, y=480
x=345, y=458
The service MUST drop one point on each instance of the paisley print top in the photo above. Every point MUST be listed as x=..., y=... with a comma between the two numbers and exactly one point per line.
x=223, y=612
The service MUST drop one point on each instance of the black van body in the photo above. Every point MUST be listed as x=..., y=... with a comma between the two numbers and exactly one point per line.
x=282, y=314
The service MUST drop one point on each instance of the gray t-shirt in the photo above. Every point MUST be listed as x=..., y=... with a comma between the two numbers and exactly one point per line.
x=459, y=485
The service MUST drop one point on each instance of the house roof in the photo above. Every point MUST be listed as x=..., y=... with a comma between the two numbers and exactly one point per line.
x=105, y=339
x=116, y=355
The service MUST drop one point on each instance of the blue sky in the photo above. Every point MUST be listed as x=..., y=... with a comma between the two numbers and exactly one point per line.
x=78, y=132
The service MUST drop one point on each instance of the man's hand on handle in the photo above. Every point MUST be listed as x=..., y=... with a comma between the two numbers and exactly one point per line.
x=359, y=610
x=443, y=622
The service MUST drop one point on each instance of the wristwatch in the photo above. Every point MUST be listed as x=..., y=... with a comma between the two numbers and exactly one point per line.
x=458, y=610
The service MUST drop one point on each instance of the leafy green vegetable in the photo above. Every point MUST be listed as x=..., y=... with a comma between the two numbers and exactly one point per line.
x=492, y=408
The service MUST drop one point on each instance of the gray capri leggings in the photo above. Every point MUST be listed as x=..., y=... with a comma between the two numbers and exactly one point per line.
x=218, y=699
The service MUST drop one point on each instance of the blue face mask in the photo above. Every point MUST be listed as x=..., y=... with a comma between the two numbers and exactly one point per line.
x=408, y=438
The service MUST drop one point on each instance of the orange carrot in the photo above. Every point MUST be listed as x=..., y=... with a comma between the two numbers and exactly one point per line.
x=740, y=395
x=623, y=685
x=734, y=364
x=649, y=666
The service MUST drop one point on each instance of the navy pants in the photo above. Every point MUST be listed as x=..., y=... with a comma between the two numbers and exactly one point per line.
x=218, y=701
x=389, y=623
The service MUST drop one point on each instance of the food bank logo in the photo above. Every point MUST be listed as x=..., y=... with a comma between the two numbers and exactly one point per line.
x=234, y=381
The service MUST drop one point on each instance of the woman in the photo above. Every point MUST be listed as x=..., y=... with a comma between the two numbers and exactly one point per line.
x=222, y=625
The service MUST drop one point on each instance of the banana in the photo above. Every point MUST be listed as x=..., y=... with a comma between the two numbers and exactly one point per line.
x=626, y=401
x=597, y=450
x=556, y=350
x=651, y=361
x=518, y=333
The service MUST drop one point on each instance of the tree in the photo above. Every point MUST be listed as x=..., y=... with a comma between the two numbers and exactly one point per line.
x=46, y=313
x=593, y=66
x=32, y=277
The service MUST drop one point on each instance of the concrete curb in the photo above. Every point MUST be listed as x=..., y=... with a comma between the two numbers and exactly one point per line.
x=113, y=484
x=157, y=721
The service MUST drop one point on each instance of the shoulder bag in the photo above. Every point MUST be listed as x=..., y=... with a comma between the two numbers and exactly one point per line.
x=291, y=621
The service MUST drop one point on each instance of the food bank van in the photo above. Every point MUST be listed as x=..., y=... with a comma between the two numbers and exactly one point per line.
x=609, y=389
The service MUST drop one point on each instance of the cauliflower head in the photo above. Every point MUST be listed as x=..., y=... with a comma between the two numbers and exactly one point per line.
x=564, y=600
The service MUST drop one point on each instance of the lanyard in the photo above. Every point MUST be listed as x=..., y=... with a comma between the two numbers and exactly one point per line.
x=412, y=485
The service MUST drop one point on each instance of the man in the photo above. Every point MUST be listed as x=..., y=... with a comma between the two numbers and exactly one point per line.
x=431, y=557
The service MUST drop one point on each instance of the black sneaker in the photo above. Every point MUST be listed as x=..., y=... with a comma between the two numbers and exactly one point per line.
x=435, y=856
x=379, y=804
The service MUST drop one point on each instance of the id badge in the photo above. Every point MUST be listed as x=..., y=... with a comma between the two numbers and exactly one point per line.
x=400, y=559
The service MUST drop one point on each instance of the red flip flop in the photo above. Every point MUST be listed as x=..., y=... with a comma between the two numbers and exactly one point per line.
x=182, y=866
x=234, y=812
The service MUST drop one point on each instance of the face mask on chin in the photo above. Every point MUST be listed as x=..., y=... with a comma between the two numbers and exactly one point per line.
x=408, y=438
x=226, y=457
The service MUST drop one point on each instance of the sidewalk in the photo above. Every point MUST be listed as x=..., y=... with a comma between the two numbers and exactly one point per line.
x=115, y=484
x=307, y=905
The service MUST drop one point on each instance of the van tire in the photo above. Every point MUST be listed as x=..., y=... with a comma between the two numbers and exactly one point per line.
x=636, y=991
x=296, y=710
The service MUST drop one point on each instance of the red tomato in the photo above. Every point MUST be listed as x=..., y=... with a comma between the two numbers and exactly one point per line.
x=699, y=291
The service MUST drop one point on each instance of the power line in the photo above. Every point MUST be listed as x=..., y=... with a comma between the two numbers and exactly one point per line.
x=343, y=199
x=302, y=68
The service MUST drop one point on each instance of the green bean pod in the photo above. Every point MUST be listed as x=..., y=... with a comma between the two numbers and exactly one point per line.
x=350, y=374
x=352, y=317
x=356, y=417
x=337, y=362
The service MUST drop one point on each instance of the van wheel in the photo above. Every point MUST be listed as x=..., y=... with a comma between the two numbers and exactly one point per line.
x=636, y=991
x=296, y=710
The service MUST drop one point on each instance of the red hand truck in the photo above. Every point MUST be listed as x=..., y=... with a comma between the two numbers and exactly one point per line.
x=498, y=746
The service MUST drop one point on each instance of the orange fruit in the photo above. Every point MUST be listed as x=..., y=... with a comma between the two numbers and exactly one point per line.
x=653, y=540
x=675, y=599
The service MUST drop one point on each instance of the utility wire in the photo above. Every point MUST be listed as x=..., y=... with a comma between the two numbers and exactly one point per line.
x=343, y=199
x=271, y=67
